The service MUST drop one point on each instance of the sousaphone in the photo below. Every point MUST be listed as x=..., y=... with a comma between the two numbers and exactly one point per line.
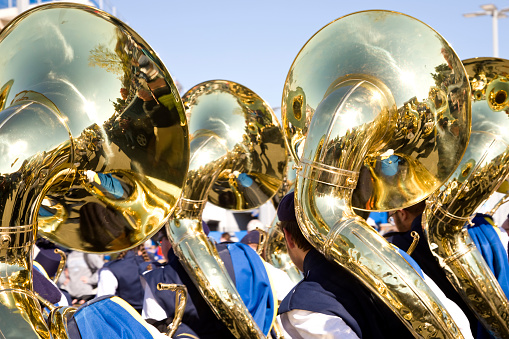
x=237, y=162
x=483, y=169
x=376, y=111
x=78, y=89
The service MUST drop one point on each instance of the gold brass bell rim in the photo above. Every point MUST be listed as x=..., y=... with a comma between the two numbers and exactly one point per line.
x=121, y=122
x=247, y=130
x=421, y=100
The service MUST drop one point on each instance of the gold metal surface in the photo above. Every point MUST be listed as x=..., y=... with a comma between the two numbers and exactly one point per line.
x=376, y=110
x=424, y=90
x=236, y=140
x=77, y=89
x=180, y=305
x=61, y=264
x=58, y=320
x=416, y=237
x=237, y=162
x=83, y=104
x=504, y=189
x=483, y=169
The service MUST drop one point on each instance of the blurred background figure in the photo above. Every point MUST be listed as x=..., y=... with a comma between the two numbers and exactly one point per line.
x=82, y=275
x=254, y=224
x=225, y=237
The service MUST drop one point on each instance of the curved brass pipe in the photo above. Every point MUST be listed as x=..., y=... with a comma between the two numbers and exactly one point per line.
x=483, y=169
x=180, y=305
x=237, y=162
x=61, y=264
x=355, y=100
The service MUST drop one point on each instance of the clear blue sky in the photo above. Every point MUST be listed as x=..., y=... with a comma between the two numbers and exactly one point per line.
x=254, y=42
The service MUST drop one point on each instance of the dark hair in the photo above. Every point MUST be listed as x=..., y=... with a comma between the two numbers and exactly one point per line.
x=416, y=209
x=142, y=250
x=293, y=228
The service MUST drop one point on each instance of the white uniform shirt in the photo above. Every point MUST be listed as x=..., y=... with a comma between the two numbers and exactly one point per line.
x=107, y=284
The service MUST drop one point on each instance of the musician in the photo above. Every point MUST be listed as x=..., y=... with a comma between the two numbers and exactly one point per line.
x=281, y=282
x=121, y=277
x=329, y=302
x=199, y=320
x=410, y=219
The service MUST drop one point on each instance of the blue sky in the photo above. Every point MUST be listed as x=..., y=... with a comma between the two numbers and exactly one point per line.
x=255, y=42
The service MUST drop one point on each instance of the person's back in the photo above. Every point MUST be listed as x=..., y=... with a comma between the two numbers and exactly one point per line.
x=248, y=274
x=121, y=277
x=329, y=300
x=159, y=306
x=333, y=292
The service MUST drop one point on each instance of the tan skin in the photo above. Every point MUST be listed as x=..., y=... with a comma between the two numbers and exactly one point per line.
x=403, y=220
x=296, y=254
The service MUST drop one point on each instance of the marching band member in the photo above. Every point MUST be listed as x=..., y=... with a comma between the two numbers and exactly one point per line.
x=121, y=277
x=410, y=219
x=329, y=302
x=247, y=272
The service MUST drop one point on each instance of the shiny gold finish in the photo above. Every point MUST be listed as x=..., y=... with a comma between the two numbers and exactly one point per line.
x=416, y=237
x=420, y=134
x=58, y=319
x=20, y=311
x=501, y=202
x=261, y=241
x=504, y=189
x=94, y=88
x=237, y=162
x=70, y=75
x=383, y=110
x=483, y=169
x=61, y=264
x=180, y=305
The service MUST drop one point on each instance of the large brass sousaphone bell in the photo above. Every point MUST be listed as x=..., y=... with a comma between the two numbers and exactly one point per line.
x=483, y=169
x=237, y=162
x=92, y=125
x=376, y=111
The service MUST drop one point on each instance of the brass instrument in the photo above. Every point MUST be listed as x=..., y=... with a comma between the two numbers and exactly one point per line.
x=376, y=119
x=504, y=189
x=484, y=167
x=237, y=162
x=61, y=264
x=76, y=84
x=180, y=305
